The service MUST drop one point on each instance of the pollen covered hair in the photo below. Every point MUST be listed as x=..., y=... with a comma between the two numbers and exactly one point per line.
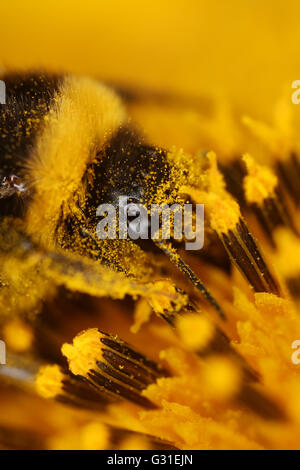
x=83, y=116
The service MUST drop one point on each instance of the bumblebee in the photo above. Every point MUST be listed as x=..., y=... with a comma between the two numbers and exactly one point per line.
x=67, y=145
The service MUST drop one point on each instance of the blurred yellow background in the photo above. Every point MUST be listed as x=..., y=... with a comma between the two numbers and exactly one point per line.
x=249, y=48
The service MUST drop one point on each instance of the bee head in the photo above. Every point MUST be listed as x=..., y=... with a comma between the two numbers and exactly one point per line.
x=128, y=173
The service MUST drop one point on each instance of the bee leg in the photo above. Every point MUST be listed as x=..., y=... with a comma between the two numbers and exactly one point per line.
x=84, y=275
x=29, y=269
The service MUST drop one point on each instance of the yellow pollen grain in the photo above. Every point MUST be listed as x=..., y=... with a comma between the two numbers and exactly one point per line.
x=17, y=335
x=223, y=211
x=159, y=303
x=225, y=214
x=288, y=248
x=48, y=382
x=85, y=351
x=221, y=377
x=260, y=183
x=142, y=313
x=215, y=179
x=195, y=330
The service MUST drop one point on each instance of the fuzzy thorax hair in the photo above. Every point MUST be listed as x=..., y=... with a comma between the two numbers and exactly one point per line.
x=84, y=116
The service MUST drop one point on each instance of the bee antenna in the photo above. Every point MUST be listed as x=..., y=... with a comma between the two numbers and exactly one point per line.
x=174, y=257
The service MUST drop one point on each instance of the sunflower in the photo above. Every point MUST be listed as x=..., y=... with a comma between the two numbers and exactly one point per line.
x=163, y=370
